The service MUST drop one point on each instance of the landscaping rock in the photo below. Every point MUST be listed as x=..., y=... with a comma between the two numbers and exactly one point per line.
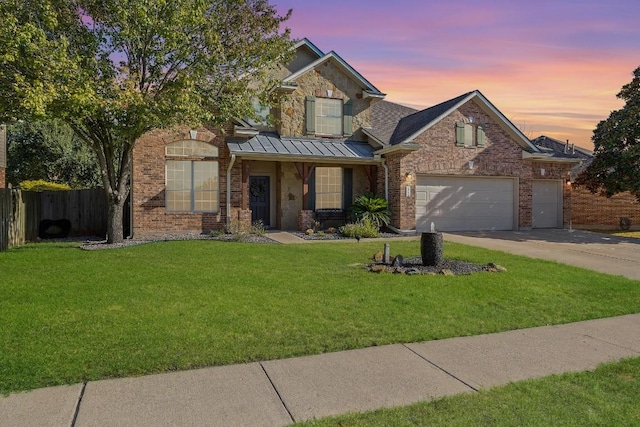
x=496, y=267
x=377, y=257
x=378, y=268
x=397, y=261
x=331, y=230
x=448, y=267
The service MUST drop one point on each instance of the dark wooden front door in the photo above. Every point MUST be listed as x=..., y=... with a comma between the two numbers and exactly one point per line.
x=259, y=199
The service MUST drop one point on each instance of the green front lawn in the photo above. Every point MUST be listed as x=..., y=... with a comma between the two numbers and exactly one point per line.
x=606, y=397
x=69, y=315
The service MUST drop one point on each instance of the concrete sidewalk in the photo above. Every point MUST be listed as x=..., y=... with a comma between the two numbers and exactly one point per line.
x=280, y=392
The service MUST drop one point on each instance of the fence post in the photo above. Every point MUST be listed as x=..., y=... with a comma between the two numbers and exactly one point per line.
x=5, y=209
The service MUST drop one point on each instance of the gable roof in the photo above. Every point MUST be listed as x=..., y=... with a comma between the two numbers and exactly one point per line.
x=312, y=47
x=369, y=88
x=385, y=116
x=412, y=126
x=561, y=149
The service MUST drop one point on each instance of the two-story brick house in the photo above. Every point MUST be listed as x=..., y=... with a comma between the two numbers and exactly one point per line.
x=460, y=164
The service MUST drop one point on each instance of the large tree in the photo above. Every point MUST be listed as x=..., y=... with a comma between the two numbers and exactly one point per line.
x=49, y=150
x=616, y=164
x=115, y=69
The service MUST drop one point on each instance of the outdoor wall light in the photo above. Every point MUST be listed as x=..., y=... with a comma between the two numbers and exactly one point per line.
x=470, y=164
x=193, y=134
x=542, y=171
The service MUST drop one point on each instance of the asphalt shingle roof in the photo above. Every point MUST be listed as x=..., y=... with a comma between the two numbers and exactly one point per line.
x=385, y=116
x=557, y=149
x=413, y=123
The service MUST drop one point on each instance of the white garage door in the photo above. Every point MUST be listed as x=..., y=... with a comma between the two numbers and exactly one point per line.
x=547, y=204
x=464, y=204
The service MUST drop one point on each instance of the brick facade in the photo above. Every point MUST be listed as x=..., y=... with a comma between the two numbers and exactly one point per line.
x=3, y=178
x=597, y=211
x=500, y=157
x=149, y=213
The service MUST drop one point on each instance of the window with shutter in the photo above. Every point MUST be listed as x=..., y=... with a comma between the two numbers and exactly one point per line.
x=310, y=117
x=347, y=118
x=460, y=134
x=480, y=136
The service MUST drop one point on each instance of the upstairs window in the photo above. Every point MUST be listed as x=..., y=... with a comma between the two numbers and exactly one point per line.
x=191, y=177
x=328, y=117
x=469, y=134
x=262, y=112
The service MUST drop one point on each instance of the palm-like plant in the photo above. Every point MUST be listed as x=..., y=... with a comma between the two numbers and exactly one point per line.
x=372, y=207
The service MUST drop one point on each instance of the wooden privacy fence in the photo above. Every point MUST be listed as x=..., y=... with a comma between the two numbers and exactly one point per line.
x=23, y=211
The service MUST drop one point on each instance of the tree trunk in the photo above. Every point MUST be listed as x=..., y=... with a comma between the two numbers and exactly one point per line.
x=431, y=249
x=114, y=219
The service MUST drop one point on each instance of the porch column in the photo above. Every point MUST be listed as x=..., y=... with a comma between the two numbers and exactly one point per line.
x=305, y=170
x=245, y=185
x=372, y=176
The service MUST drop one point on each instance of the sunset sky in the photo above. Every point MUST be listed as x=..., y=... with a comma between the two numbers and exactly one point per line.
x=551, y=67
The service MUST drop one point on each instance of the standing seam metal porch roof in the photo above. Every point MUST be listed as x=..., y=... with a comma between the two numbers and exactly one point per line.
x=271, y=144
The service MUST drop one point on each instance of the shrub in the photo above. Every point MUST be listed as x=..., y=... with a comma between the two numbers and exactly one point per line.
x=258, y=228
x=42, y=185
x=364, y=228
x=369, y=206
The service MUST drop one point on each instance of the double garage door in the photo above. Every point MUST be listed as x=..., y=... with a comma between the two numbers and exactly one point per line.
x=479, y=204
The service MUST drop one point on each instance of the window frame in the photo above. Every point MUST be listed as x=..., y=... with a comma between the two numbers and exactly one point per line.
x=318, y=183
x=190, y=157
x=321, y=119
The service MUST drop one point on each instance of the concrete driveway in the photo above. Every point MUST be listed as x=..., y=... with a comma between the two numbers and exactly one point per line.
x=594, y=251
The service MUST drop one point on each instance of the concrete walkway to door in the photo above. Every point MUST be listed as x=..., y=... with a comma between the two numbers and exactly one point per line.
x=593, y=251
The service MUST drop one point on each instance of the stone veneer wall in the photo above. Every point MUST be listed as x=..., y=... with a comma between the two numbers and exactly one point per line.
x=501, y=156
x=589, y=210
x=326, y=77
x=149, y=213
x=3, y=177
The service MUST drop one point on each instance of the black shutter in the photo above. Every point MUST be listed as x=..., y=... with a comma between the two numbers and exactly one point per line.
x=347, y=188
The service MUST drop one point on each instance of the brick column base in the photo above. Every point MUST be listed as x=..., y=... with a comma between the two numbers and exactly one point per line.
x=244, y=219
x=305, y=220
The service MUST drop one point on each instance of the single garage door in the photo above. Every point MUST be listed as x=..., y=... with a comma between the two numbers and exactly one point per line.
x=464, y=204
x=547, y=204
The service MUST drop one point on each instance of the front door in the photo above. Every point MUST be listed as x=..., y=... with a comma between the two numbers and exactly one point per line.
x=259, y=199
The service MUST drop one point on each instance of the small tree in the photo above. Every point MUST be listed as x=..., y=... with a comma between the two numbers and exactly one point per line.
x=115, y=69
x=616, y=163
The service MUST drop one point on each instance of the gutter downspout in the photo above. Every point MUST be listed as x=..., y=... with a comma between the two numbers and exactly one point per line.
x=386, y=178
x=233, y=160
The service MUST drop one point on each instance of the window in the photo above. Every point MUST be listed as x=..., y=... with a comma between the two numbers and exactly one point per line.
x=262, y=111
x=328, y=188
x=328, y=116
x=469, y=134
x=191, y=183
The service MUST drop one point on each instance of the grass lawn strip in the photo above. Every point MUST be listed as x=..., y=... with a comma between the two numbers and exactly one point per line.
x=70, y=316
x=607, y=396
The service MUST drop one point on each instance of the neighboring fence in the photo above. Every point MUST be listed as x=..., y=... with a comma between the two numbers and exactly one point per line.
x=595, y=211
x=23, y=211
